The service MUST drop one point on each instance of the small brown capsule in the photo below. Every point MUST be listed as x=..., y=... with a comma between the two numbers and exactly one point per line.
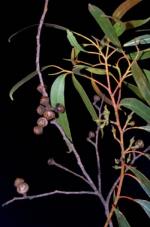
x=40, y=88
x=91, y=135
x=48, y=107
x=132, y=123
x=50, y=161
x=38, y=130
x=18, y=181
x=96, y=98
x=49, y=115
x=42, y=122
x=60, y=108
x=40, y=110
x=23, y=188
x=44, y=100
x=139, y=144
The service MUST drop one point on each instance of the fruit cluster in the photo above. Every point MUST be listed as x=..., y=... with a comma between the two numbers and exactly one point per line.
x=21, y=186
x=46, y=112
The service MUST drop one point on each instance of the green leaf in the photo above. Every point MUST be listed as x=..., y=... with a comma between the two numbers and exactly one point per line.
x=76, y=70
x=36, y=25
x=23, y=81
x=143, y=180
x=143, y=39
x=89, y=69
x=147, y=74
x=147, y=156
x=84, y=98
x=121, y=27
x=73, y=41
x=146, y=127
x=96, y=70
x=142, y=54
x=136, y=23
x=134, y=88
x=141, y=81
x=145, y=205
x=105, y=24
x=57, y=95
x=122, y=221
x=137, y=107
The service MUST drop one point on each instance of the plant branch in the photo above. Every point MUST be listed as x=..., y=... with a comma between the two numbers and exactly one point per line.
x=138, y=156
x=52, y=162
x=121, y=142
x=97, y=149
x=117, y=180
x=38, y=47
x=72, y=149
x=48, y=194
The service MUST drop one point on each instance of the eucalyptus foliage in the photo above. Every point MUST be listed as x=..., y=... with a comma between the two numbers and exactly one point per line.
x=107, y=53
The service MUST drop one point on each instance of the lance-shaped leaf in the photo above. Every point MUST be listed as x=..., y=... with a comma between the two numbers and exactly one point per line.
x=74, y=53
x=56, y=26
x=145, y=128
x=124, y=7
x=134, y=89
x=105, y=24
x=96, y=70
x=142, y=54
x=84, y=98
x=23, y=81
x=93, y=70
x=76, y=71
x=73, y=41
x=121, y=219
x=121, y=27
x=57, y=95
x=100, y=93
x=137, y=107
x=142, y=39
x=141, y=81
x=142, y=180
x=147, y=74
x=145, y=205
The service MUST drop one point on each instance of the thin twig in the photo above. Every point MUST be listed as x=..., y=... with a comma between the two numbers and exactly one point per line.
x=97, y=149
x=48, y=194
x=117, y=180
x=38, y=47
x=112, y=190
x=138, y=156
x=54, y=163
x=72, y=149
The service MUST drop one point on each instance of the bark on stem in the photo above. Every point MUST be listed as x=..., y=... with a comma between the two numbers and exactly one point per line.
x=38, y=47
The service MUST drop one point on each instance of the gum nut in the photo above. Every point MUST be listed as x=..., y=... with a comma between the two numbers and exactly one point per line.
x=38, y=130
x=50, y=161
x=18, y=181
x=91, y=135
x=42, y=122
x=44, y=100
x=139, y=143
x=23, y=188
x=49, y=115
x=40, y=109
x=96, y=98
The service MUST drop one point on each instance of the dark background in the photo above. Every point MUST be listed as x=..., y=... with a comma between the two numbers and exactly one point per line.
x=25, y=155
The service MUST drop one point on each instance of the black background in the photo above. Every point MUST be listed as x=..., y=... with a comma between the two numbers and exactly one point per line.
x=25, y=155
